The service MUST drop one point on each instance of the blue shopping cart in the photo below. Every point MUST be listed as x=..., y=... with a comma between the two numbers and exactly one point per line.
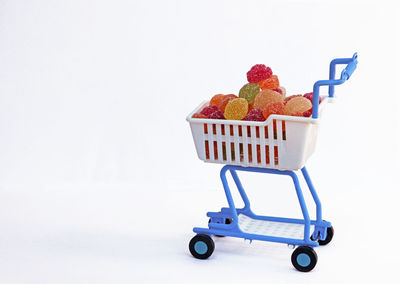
x=280, y=145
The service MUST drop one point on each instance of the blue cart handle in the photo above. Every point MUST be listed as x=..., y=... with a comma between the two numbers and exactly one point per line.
x=344, y=76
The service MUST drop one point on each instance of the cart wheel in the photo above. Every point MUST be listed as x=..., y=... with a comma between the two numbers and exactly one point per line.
x=329, y=235
x=201, y=246
x=304, y=258
x=227, y=221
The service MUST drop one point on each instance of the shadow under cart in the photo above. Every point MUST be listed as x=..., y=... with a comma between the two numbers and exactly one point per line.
x=243, y=223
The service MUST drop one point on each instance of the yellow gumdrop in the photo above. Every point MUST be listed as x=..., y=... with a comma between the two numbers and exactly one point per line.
x=236, y=109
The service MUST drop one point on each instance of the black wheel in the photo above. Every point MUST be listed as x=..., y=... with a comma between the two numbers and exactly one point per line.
x=304, y=258
x=227, y=221
x=201, y=246
x=329, y=235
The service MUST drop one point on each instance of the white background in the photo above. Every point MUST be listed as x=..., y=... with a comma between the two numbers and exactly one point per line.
x=99, y=179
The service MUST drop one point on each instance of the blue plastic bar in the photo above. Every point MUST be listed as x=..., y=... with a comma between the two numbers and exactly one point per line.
x=241, y=190
x=314, y=194
x=344, y=76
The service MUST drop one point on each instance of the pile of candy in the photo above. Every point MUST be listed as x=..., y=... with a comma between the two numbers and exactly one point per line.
x=257, y=100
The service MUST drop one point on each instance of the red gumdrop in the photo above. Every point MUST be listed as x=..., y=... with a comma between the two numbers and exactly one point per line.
x=310, y=97
x=217, y=115
x=254, y=115
x=209, y=110
x=258, y=73
x=307, y=113
x=278, y=90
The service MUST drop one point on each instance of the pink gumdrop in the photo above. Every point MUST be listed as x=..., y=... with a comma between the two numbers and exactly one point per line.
x=258, y=73
x=254, y=115
x=310, y=97
x=208, y=110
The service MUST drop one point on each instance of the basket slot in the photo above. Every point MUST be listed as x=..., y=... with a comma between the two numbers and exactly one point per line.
x=270, y=143
x=279, y=146
x=241, y=152
x=276, y=155
x=235, y=140
x=228, y=145
x=267, y=154
x=254, y=144
x=266, y=132
x=232, y=151
x=205, y=129
x=219, y=143
x=246, y=154
x=283, y=130
x=258, y=153
x=262, y=142
x=207, y=149
x=250, y=154
x=275, y=132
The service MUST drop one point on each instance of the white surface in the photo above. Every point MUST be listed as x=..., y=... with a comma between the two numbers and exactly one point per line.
x=99, y=180
x=274, y=229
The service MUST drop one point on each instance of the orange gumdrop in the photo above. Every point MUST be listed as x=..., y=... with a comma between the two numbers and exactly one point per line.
x=225, y=100
x=291, y=97
x=216, y=100
x=270, y=83
x=199, y=115
x=265, y=97
x=273, y=108
x=297, y=105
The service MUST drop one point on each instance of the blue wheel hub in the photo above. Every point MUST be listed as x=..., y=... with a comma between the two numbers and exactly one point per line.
x=303, y=259
x=200, y=247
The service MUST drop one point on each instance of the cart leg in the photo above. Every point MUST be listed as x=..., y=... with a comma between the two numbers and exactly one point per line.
x=302, y=205
x=241, y=190
x=320, y=231
x=228, y=194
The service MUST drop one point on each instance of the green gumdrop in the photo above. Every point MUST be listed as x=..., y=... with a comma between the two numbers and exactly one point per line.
x=249, y=92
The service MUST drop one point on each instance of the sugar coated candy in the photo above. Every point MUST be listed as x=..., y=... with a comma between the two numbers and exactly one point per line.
x=270, y=83
x=255, y=115
x=225, y=100
x=307, y=113
x=258, y=73
x=282, y=91
x=310, y=97
x=249, y=92
x=209, y=110
x=216, y=100
x=297, y=105
x=199, y=115
x=290, y=97
x=273, y=108
x=217, y=115
x=265, y=97
x=278, y=90
x=236, y=109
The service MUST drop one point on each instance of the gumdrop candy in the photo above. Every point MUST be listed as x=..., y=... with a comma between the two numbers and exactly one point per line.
x=291, y=97
x=236, y=109
x=271, y=83
x=310, y=97
x=265, y=97
x=278, y=90
x=297, y=105
x=199, y=115
x=273, y=108
x=216, y=100
x=307, y=113
x=258, y=73
x=217, y=115
x=282, y=90
x=209, y=110
x=249, y=92
x=225, y=100
x=254, y=115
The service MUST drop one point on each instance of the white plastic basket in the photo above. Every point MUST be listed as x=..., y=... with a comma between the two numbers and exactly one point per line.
x=281, y=142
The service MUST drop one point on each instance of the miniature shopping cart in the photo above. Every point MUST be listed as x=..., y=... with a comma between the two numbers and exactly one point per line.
x=280, y=145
